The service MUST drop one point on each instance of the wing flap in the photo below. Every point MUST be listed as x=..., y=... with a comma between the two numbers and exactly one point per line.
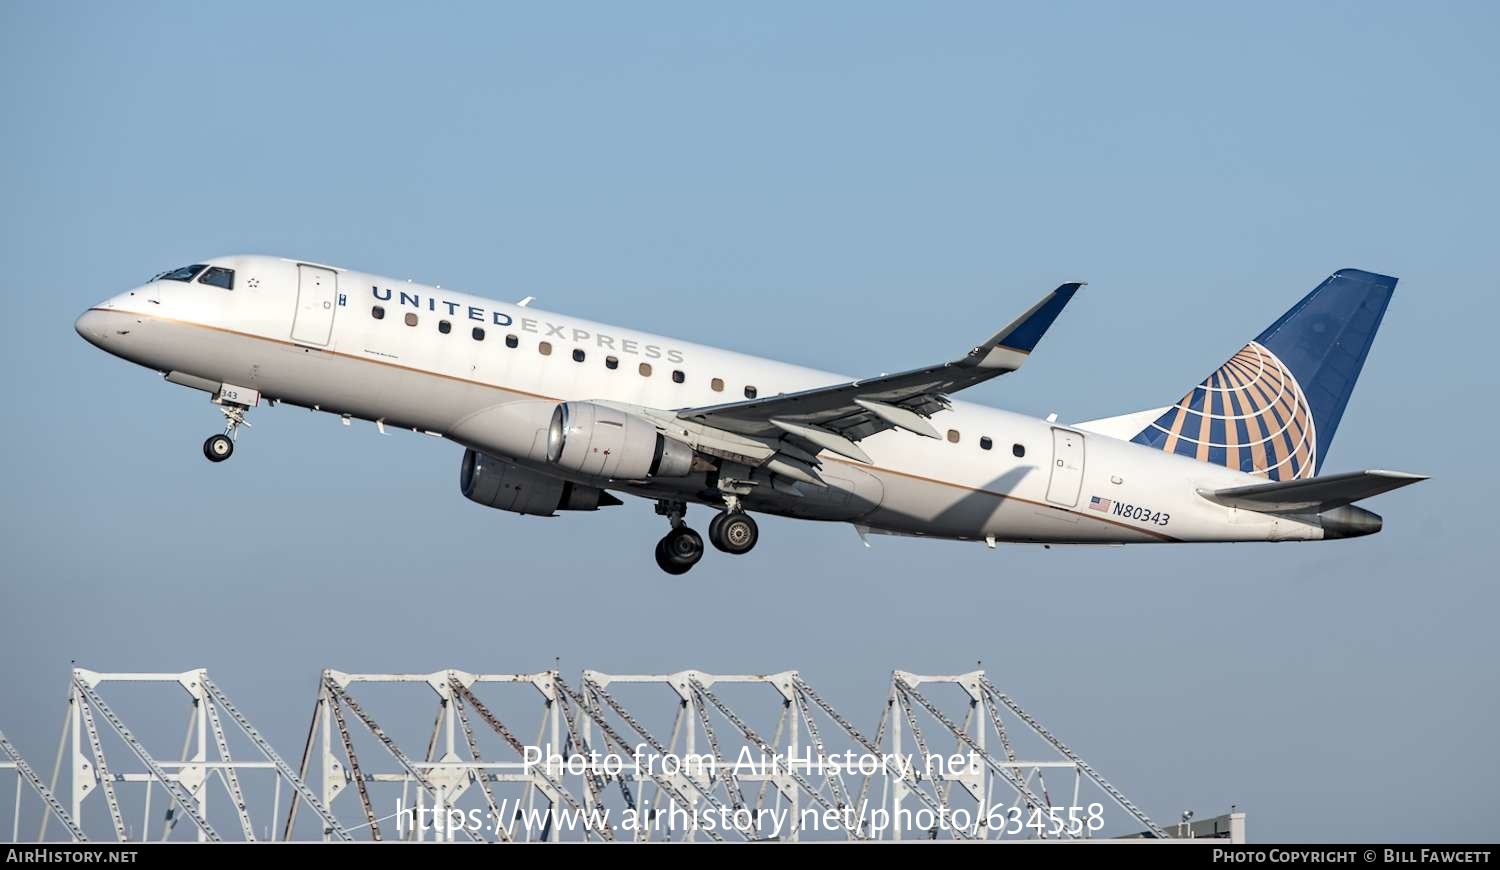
x=1315, y=494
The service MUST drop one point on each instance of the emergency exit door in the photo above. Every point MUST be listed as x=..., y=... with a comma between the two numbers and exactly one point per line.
x=1067, y=467
x=317, y=299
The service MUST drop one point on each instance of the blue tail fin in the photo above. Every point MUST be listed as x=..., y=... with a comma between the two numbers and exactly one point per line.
x=1273, y=407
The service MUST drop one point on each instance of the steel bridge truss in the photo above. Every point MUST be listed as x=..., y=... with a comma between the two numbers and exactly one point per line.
x=1001, y=794
x=619, y=757
x=103, y=755
x=10, y=759
x=474, y=780
x=698, y=756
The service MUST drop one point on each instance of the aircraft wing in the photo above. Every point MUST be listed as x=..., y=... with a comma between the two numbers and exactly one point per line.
x=835, y=417
x=1312, y=494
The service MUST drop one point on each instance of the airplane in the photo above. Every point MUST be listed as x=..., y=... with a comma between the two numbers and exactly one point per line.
x=559, y=414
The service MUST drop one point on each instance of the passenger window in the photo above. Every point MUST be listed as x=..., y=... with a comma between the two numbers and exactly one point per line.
x=611, y=362
x=477, y=333
x=218, y=276
x=377, y=312
x=677, y=376
x=645, y=370
x=444, y=327
x=985, y=443
x=411, y=319
x=750, y=392
x=952, y=436
x=578, y=355
x=1018, y=450
x=545, y=348
x=512, y=341
x=717, y=385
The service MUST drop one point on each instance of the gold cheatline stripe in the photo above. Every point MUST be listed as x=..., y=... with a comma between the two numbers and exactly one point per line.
x=514, y=391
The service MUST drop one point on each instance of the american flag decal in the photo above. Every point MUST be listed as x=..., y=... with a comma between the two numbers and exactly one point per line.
x=1099, y=504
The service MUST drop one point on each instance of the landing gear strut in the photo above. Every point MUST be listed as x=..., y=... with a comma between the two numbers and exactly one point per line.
x=682, y=547
x=220, y=447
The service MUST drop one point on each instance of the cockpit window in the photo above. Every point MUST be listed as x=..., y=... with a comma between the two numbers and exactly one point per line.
x=218, y=276
x=186, y=273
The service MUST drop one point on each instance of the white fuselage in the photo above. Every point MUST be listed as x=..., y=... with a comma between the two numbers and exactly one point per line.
x=1034, y=481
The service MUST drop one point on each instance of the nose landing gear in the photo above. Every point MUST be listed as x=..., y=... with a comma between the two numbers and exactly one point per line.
x=220, y=447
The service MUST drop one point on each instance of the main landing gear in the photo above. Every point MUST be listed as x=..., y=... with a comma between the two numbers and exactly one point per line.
x=220, y=447
x=682, y=547
x=731, y=531
x=679, y=551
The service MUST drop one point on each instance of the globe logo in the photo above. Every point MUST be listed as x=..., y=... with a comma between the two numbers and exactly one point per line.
x=1250, y=415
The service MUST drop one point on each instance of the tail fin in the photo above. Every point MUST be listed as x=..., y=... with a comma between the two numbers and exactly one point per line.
x=1273, y=407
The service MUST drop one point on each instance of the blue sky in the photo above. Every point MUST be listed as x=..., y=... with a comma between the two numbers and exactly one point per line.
x=859, y=187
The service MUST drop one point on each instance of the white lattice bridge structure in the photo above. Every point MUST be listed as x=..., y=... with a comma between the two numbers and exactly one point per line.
x=526, y=757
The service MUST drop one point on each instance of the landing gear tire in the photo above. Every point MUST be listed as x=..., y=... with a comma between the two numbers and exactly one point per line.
x=734, y=533
x=679, y=551
x=218, y=448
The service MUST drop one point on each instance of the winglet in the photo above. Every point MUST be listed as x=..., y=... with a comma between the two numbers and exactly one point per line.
x=1009, y=347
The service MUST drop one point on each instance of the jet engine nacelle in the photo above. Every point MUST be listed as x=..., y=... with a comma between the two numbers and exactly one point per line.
x=509, y=487
x=603, y=442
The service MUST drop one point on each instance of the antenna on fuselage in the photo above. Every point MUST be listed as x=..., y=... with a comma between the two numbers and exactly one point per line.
x=525, y=302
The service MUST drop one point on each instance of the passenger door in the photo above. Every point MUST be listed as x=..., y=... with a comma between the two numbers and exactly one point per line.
x=317, y=300
x=1067, y=467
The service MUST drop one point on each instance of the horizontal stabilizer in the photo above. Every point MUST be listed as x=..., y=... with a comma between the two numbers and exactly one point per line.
x=1316, y=494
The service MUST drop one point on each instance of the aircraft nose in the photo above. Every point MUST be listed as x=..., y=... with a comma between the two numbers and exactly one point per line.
x=91, y=325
